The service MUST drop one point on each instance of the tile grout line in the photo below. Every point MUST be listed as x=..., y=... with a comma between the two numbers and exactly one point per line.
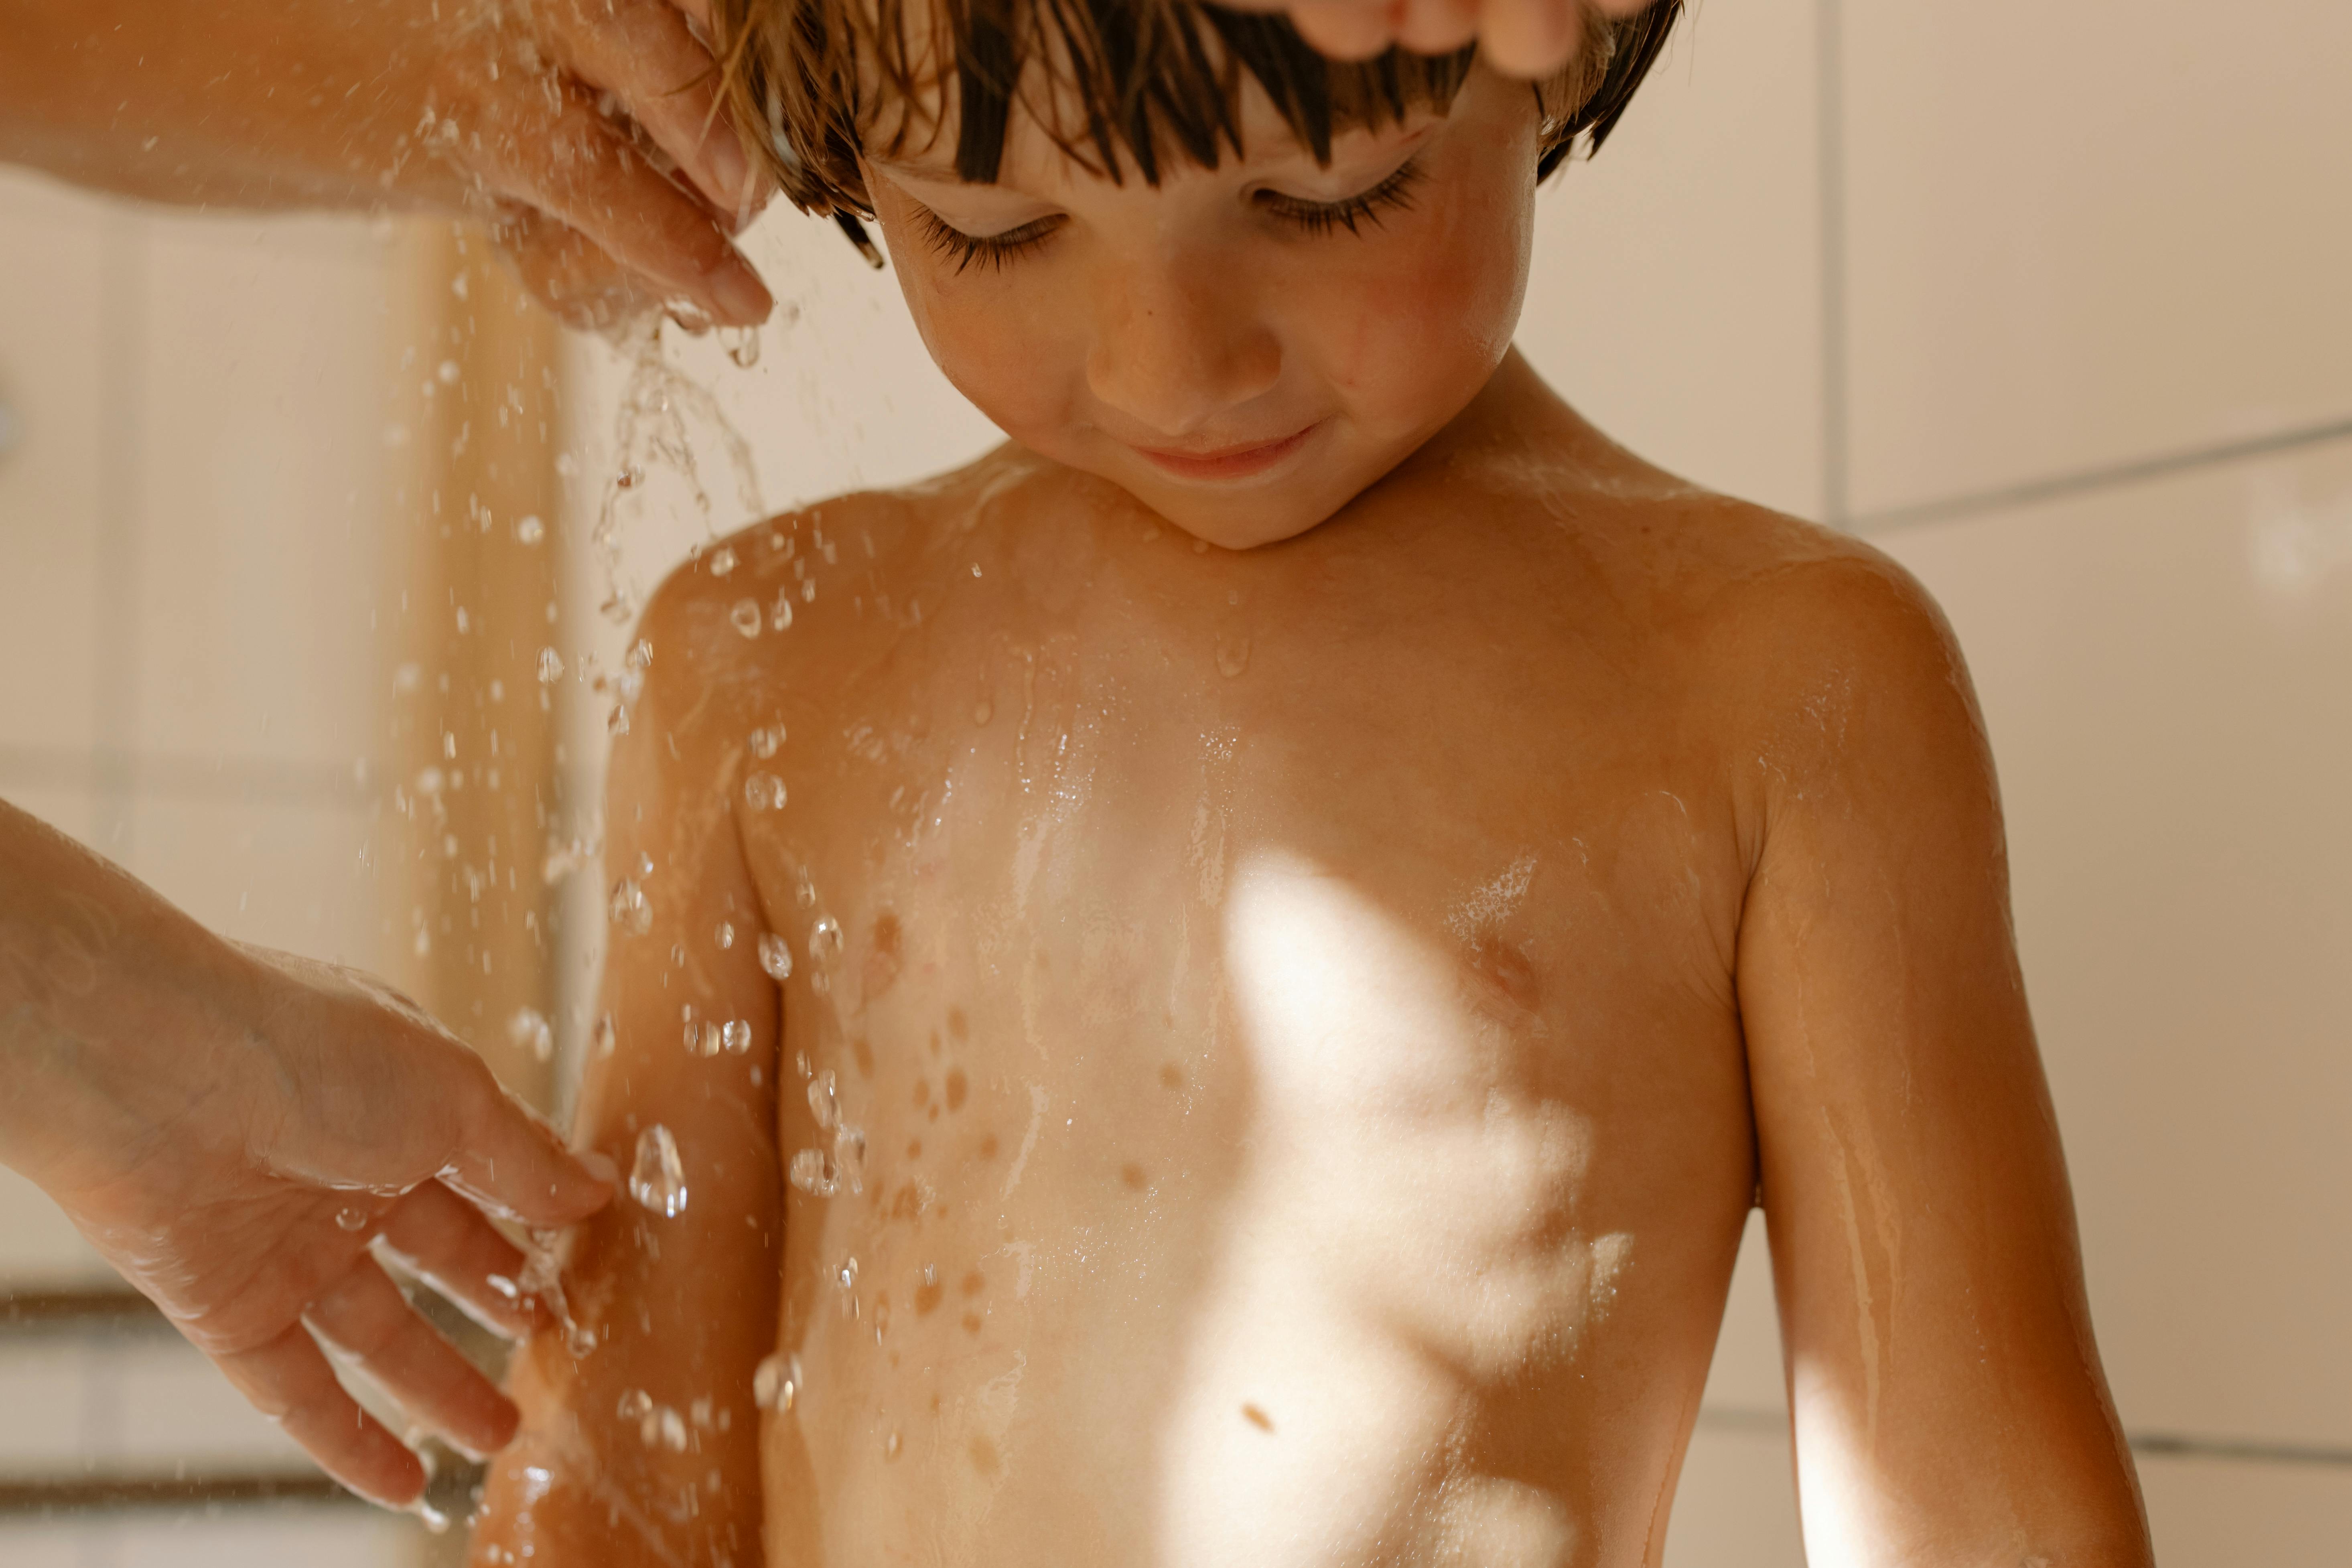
x=1829, y=64
x=2085, y=482
x=114, y=657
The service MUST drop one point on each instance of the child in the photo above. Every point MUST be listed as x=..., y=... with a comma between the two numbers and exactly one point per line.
x=1311, y=892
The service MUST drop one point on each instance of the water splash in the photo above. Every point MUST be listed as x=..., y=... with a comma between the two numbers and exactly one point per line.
x=651, y=432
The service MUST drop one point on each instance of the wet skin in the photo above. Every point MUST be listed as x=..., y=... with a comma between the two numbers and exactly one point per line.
x=1347, y=882
x=1318, y=1015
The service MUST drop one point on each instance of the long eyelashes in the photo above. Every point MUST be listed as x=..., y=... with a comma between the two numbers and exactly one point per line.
x=1391, y=195
x=1353, y=213
x=994, y=250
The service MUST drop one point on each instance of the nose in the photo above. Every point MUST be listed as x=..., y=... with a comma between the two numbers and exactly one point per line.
x=1177, y=345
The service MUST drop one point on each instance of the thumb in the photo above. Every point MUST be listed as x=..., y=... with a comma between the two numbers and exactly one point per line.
x=510, y=1162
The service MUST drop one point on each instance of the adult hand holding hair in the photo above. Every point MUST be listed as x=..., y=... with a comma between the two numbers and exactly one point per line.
x=582, y=130
x=1529, y=39
x=235, y=1130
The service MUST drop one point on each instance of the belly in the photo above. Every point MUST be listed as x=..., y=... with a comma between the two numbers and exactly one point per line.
x=1212, y=1210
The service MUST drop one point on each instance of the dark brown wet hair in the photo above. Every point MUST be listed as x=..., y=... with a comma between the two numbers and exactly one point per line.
x=813, y=83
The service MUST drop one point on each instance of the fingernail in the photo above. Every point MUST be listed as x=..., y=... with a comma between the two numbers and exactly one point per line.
x=599, y=1164
x=732, y=170
x=738, y=292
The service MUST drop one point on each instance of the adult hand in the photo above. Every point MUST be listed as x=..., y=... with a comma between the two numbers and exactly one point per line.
x=234, y=1131
x=586, y=132
x=1529, y=39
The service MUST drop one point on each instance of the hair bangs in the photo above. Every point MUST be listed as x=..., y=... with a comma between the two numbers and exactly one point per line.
x=1113, y=83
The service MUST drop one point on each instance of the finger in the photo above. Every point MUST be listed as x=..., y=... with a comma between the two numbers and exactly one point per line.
x=365, y=1316
x=1530, y=39
x=288, y=1381
x=580, y=169
x=570, y=275
x=1345, y=29
x=508, y=1161
x=1437, y=26
x=446, y=1240
x=642, y=51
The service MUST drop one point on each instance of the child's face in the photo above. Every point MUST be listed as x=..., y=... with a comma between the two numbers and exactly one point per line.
x=1222, y=346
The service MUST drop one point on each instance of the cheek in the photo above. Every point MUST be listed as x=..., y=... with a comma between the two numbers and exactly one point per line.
x=994, y=343
x=1428, y=314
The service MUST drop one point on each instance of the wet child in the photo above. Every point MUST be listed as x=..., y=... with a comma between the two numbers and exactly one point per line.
x=1215, y=988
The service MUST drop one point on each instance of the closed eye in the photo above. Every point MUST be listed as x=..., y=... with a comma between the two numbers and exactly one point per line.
x=991, y=249
x=1351, y=212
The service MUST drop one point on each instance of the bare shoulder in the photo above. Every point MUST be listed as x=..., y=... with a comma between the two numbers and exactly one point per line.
x=760, y=609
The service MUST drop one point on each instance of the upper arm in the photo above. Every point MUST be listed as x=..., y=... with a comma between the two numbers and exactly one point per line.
x=1947, y=1392
x=683, y=1305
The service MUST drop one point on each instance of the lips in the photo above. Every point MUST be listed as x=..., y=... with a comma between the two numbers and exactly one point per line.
x=1227, y=462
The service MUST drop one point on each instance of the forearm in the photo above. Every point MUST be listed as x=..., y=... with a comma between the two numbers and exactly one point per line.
x=92, y=966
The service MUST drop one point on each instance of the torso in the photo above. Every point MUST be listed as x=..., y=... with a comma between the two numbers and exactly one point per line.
x=1286, y=998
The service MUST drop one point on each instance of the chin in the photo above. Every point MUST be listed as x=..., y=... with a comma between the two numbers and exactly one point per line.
x=1240, y=519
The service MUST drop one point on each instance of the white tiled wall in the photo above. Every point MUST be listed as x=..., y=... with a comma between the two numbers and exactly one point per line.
x=190, y=553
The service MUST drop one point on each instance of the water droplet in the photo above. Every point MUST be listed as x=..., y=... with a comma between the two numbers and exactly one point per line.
x=629, y=477
x=764, y=792
x=822, y=1103
x=617, y=722
x=765, y=742
x=890, y=1445
x=780, y=614
x=551, y=666
x=724, y=935
x=607, y=1036
x=813, y=1171
x=803, y=889
x=640, y=657
x=1232, y=655
x=847, y=1274
x=673, y=1430
x=776, y=1386
x=407, y=680
x=745, y=616
x=530, y=1030
x=703, y=1038
x=742, y=345
x=635, y=1405
x=735, y=1034
x=448, y=372
x=352, y=1219
x=721, y=561
x=775, y=956
x=506, y=1287
x=976, y=568
x=658, y=1180
x=644, y=864
x=530, y=529
x=630, y=910
x=825, y=943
